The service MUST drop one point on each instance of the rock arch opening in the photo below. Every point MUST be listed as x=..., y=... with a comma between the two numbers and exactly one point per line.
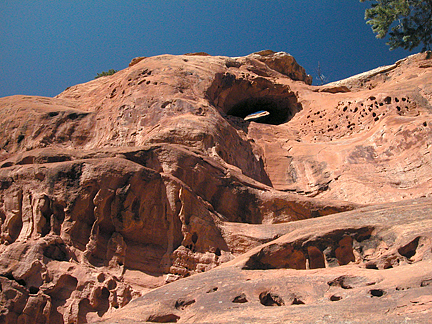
x=253, y=98
x=265, y=110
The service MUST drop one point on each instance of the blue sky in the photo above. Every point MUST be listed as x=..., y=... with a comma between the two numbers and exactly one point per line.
x=46, y=46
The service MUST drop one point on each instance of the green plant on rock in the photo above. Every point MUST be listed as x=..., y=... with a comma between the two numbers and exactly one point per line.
x=105, y=73
x=407, y=22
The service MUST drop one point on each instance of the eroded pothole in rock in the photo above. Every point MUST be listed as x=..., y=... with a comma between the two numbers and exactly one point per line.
x=181, y=304
x=270, y=299
x=240, y=299
x=377, y=292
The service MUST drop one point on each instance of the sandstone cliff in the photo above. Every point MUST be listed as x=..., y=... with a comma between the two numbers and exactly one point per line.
x=164, y=170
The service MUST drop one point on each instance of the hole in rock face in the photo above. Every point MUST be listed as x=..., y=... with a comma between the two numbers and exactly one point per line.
x=163, y=318
x=33, y=290
x=240, y=299
x=101, y=277
x=277, y=257
x=297, y=301
x=350, y=282
x=212, y=290
x=410, y=249
x=316, y=258
x=426, y=282
x=182, y=303
x=371, y=265
x=57, y=251
x=265, y=110
x=111, y=284
x=377, y=292
x=21, y=282
x=270, y=299
x=194, y=237
x=242, y=96
x=335, y=298
x=344, y=252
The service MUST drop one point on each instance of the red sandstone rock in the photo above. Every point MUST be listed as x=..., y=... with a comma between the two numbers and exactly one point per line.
x=274, y=289
x=158, y=172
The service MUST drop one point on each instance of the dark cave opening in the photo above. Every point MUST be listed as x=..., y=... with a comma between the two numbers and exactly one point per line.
x=244, y=95
x=267, y=110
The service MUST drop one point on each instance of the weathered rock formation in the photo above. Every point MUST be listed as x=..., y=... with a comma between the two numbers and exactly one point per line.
x=180, y=164
x=372, y=265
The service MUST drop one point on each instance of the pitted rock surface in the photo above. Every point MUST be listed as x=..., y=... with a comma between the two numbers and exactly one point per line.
x=230, y=183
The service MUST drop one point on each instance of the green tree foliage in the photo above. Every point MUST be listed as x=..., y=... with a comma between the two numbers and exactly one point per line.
x=105, y=73
x=407, y=22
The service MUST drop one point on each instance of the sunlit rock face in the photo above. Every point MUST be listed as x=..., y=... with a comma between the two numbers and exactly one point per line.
x=185, y=164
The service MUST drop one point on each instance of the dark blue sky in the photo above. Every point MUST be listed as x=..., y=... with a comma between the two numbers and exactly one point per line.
x=46, y=46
